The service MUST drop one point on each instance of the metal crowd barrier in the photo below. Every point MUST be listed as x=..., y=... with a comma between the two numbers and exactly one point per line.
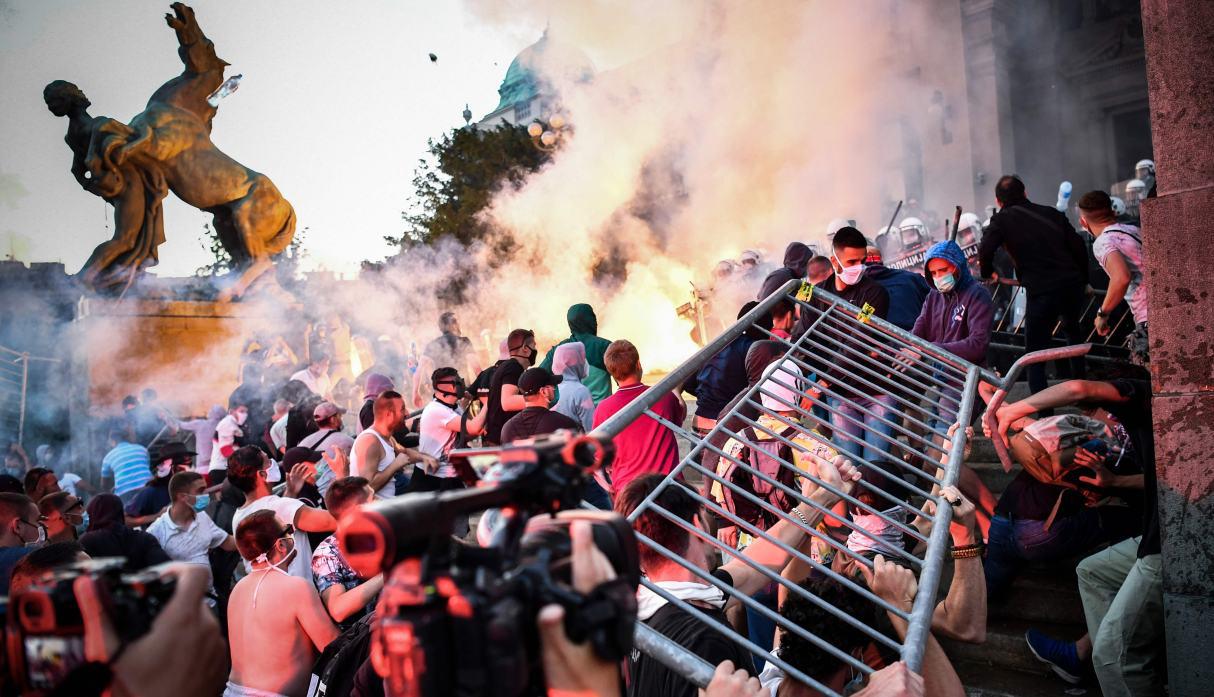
x=1008, y=329
x=842, y=344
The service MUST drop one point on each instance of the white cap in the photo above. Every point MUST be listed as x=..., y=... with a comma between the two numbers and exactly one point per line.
x=780, y=397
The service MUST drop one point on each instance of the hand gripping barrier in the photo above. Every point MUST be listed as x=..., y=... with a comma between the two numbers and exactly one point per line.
x=888, y=396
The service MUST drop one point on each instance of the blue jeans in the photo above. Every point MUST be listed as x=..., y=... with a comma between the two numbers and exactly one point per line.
x=1011, y=545
x=761, y=629
x=865, y=430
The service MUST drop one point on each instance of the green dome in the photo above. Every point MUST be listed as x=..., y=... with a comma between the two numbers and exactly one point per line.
x=523, y=82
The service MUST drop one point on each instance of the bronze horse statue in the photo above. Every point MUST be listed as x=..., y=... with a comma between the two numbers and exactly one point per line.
x=168, y=147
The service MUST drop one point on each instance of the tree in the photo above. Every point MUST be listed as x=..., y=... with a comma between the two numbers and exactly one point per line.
x=221, y=263
x=465, y=169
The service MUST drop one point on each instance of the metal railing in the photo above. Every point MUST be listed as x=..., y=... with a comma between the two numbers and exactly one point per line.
x=1009, y=298
x=840, y=358
x=14, y=388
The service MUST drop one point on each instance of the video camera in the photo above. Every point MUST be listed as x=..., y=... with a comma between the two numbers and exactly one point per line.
x=45, y=636
x=455, y=619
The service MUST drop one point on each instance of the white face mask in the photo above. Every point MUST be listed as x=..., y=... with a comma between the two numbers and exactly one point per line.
x=273, y=473
x=240, y=417
x=946, y=282
x=850, y=275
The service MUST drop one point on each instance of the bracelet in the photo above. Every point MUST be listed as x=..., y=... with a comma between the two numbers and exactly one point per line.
x=797, y=510
x=968, y=551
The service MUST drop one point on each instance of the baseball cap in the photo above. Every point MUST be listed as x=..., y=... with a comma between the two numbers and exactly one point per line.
x=296, y=455
x=171, y=449
x=535, y=379
x=325, y=410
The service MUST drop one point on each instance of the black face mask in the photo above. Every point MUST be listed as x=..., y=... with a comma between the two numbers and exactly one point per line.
x=458, y=389
x=530, y=355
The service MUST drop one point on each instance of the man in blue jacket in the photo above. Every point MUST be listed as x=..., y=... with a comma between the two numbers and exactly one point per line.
x=907, y=291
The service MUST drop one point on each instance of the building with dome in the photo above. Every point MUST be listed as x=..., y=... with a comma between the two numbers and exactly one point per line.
x=527, y=91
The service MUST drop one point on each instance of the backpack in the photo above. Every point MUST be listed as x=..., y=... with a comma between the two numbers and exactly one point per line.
x=333, y=673
x=1046, y=451
x=762, y=457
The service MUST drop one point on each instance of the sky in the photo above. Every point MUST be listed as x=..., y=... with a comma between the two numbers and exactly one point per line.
x=336, y=105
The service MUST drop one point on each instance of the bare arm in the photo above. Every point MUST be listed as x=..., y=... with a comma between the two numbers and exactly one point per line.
x=311, y=519
x=369, y=452
x=511, y=399
x=1119, y=280
x=962, y=613
x=1060, y=395
x=312, y=616
x=342, y=603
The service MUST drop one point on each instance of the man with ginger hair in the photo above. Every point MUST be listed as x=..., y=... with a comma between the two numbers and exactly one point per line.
x=645, y=446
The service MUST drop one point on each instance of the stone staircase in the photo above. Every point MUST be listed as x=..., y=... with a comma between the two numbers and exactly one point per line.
x=1044, y=597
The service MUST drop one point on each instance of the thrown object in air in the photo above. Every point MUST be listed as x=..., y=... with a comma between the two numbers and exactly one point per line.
x=1064, y=197
x=168, y=147
x=433, y=58
x=228, y=87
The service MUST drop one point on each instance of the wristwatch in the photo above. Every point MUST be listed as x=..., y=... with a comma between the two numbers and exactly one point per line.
x=1101, y=313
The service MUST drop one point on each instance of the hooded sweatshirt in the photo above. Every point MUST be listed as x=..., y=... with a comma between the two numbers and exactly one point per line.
x=958, y=321
x=573, y=397
x=584, y=327
x=796, y=259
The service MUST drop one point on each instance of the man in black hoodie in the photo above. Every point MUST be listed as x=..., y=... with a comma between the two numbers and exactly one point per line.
x=1051, y=263
x=796, y=258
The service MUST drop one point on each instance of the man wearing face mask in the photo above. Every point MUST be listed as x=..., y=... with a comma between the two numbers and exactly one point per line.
x=504, y=397
x=185, y=531
x=251, y=471
x=443, y=421
x=64, y=517
x=229, y=433
x=152, y=500
x=20, y=531
x=538, y=388
x=277, y=625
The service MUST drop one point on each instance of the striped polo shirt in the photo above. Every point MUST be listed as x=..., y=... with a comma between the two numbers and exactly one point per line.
x=129, y=465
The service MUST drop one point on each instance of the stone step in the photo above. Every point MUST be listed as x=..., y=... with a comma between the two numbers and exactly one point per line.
x=1045, y=594
x=1005, y=646
x=982, y=679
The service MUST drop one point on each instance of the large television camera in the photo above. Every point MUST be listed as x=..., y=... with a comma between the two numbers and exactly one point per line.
x=456, y=619
x=45, y=634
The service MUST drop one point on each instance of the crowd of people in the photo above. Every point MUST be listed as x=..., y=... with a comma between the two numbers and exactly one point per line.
x=246, y=500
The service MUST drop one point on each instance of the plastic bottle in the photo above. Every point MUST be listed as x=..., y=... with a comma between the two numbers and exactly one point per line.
x=228, y=87
x=1064, y=197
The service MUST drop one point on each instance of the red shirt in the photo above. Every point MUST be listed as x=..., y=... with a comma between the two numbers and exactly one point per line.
x=644, y=446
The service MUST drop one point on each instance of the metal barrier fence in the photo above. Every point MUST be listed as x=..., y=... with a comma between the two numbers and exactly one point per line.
x=842, y=356
x=1009, y=299
x=14, y=380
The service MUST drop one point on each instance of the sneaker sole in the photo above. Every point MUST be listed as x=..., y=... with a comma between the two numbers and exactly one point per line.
x=1058, y=670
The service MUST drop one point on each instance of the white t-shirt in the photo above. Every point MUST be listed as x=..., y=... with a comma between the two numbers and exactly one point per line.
x=285, y=510
x=318, y=385
x=226, y=432
x=388, y=490
x=278, y=433
x=436, y=439
x=1122, y=238
x=68, y=483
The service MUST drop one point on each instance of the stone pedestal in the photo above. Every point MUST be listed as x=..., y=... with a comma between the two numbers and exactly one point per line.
x=188, y=351
x=1176, y=232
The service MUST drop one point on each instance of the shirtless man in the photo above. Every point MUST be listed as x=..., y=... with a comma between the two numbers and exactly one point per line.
x=277, y=625
x=376, y=456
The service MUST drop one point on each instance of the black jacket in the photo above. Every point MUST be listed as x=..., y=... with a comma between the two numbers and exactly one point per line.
x=796, y=260
x=1049, y=255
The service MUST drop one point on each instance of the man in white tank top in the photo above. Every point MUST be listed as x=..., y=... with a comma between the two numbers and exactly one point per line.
x=376, y=456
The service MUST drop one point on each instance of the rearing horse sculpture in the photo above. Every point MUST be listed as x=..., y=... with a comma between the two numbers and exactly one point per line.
x=168, y=147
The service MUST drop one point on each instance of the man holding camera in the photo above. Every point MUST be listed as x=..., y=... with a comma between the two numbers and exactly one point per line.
x=444, y=423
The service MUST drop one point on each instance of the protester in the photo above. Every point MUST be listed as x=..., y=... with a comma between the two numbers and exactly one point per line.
x=645, y=445
x=109, y=536
x=651, y=677
x=1118, y=248
x=185, y=531
x=316, y=376
x=229, y=435
x=377, y=384
x=254, y=474
x=16, y=463
x=819, y=270
x=538, y=389
x=204, y=436
x=276, y=623
x=444, y=422
x=907, y=292
x=328, y=439
x=168, y=458
x=450, y=350
x=150, y=421
x=277, y=432
x=1051, y=265
x=20, y=531
x=796, y=258
x=63, y=515
x=584, y=328
x=33, y=568
x=39, y=482
x=573, y=398
x=722, y=377
x=504, y=398
x=376, y=455
x=346, y=595
x=126, y=467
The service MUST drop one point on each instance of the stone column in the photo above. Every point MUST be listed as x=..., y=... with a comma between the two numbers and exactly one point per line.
x=1178, y=227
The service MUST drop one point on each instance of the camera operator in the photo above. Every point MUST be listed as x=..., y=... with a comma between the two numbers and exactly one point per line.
x=648, y=676
x=277, y=624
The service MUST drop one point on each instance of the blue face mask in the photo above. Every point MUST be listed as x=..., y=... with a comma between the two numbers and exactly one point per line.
x=201, y=502
x=84, y=524
x=946, y=282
